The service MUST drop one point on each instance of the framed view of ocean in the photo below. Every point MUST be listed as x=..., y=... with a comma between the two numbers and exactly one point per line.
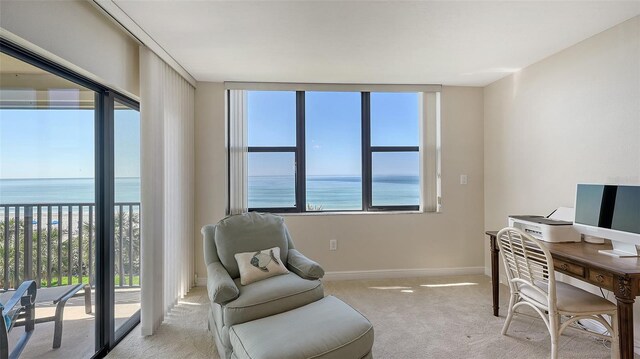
x=316, y=151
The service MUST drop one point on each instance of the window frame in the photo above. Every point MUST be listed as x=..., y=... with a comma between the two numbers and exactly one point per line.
x=429, y=162
x=299, y=161
x=367, y=162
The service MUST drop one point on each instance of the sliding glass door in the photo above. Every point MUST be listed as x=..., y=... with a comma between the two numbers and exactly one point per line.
x=69, y=204
x=126, y=248
x=47, y=202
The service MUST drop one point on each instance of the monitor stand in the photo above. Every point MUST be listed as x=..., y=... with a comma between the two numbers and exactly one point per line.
x=621, y=250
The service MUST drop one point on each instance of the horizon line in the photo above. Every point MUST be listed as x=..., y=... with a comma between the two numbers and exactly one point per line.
x=55, y=178
x=339, y=175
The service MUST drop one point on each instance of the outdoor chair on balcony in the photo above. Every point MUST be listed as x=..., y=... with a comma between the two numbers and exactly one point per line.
x=17, y=310
x=59, y=297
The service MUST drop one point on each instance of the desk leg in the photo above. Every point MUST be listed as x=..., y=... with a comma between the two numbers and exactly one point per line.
x=625, y=301
x=625, y=327
x=495, y=275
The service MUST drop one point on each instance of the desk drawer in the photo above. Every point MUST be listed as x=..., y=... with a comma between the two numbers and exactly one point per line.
x=601, y=279
x=569, y=268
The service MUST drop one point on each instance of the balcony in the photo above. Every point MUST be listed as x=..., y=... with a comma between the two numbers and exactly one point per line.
x=55, y=244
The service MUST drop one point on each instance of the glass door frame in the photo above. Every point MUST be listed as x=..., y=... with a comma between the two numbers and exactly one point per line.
x=132, y=321
x=105, y=336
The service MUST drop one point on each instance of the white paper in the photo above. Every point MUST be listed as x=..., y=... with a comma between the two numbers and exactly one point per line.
x=563, y=214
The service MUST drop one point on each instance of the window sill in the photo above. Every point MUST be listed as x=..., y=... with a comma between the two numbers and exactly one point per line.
x=354, y=213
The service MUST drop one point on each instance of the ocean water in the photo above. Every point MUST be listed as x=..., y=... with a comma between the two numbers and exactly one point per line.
x=323, y=192
x=333, y=192
x=63, y=190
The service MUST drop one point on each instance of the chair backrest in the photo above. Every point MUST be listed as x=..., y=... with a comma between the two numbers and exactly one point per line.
x=527, y=262
x=245, y=232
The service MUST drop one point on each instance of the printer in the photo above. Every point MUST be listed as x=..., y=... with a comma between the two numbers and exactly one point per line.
x=557, y=227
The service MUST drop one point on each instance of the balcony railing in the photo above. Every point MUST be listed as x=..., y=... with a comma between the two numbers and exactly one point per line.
x=54, y=244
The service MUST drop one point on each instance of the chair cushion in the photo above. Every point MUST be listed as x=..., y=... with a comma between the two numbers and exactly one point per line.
x=249, y=232
x=571, y=299
x=327, y=328
x=270, y=296
x=259, y=265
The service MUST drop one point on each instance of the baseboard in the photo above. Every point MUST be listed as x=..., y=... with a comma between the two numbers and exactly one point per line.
x=401, y=273
x=387, y=273
x=502, y=276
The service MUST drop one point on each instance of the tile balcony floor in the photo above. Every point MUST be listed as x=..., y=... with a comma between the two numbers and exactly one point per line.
x=78, y=335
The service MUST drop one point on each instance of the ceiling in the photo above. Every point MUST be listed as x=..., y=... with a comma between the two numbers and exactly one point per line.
x=447, y=42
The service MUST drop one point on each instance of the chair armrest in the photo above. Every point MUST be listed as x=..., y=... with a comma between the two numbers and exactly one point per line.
x=303, y=266
x=220, y=286
x=23, y=297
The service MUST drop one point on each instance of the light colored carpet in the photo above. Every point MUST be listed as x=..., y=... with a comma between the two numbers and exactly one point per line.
x=429, y=317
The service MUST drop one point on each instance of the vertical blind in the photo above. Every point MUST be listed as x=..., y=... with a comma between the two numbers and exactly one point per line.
x=167, y=146
x=238, y=153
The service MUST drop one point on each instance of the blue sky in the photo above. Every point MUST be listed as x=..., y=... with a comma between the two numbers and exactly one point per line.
x=60, y=143
x=333, y=132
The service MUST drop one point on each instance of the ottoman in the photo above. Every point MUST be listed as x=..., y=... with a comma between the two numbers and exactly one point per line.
x=327, y=328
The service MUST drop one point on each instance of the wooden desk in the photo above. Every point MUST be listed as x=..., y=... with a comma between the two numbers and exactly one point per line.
x=582, y=261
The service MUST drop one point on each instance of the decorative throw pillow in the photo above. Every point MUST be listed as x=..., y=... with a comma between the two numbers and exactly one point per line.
x=259, y=265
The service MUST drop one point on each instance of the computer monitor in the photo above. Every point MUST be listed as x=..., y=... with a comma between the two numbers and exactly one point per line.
x=611, y=212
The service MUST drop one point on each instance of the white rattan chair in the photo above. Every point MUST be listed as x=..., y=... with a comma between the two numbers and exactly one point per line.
x=529, y=267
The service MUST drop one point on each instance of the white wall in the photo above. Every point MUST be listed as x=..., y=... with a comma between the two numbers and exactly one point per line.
x=210, y=161
x=451, y=239
x=573, y=117
x=78, y=33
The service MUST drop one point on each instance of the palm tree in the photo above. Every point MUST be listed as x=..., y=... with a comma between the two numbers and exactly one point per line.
x=80, y=248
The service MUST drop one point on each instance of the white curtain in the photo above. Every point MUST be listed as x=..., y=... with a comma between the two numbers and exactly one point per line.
x=167, y=146
x=238, y=153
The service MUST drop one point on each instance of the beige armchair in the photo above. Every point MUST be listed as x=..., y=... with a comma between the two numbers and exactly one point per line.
x=233, y=303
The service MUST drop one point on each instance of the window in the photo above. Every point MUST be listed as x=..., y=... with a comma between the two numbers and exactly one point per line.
x=314, y=151
x=333, y=151
x=393, y=154
x=271, y=117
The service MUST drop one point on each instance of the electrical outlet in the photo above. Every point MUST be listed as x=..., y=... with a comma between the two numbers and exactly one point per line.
x=333, y=244
x=463, y=179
